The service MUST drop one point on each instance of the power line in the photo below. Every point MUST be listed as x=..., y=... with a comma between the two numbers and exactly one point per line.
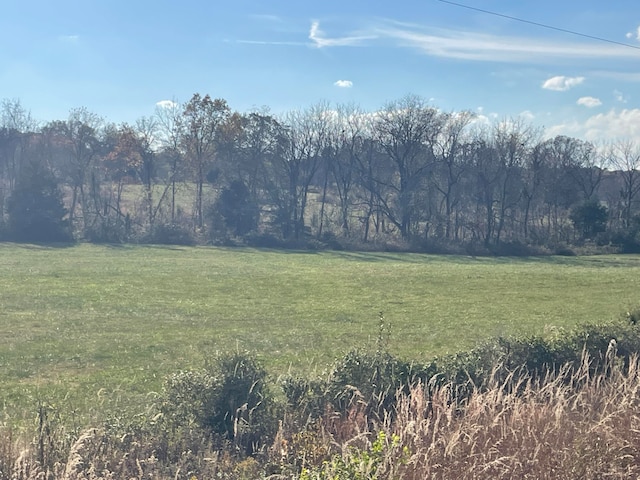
x=543, y=25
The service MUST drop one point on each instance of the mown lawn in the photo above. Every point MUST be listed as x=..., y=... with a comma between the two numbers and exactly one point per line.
x=93, y=329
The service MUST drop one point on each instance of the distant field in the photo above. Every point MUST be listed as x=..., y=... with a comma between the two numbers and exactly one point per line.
x=94, y=329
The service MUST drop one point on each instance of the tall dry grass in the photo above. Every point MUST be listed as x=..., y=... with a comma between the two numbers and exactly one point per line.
x=571, y=425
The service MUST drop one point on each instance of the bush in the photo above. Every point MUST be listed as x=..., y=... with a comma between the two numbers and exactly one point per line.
x=171, y=234
x=306, y=397
x=535, y=357
x=108, y=231
x=515, y=248
x=228, y=399
x=367, y=380
x=373, y=378
x=564, y=251
x=626, y=241
x=269, y=240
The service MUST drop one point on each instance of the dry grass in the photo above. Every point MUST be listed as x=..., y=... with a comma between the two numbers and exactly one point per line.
x=571, y=426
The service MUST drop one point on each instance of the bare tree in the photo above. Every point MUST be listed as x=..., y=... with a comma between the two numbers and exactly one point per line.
x=305, y=140
x=146, y=130
x=588, y=167
x=16, y=126
x=624, y=156
x=349, y=136
x=512, y=142
x=170, y=124
x=451, y=167
x=407, y=130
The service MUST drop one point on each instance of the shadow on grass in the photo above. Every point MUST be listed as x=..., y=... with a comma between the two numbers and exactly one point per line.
x=151, y=246
x=42, y=246
x=607, y=261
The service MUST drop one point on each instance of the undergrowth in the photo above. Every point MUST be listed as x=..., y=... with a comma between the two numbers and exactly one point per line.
x=567, y=406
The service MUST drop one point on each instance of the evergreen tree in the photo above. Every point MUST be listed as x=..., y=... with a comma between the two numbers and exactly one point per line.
x=35, y=207
x=238, y=209
x=590, y=218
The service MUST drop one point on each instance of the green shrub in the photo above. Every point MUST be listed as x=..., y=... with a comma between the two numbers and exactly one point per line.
x=306, y=398
x=188, y=397
x=244, y=408
x=534, y=357
x=370, y=380
x=228, y=399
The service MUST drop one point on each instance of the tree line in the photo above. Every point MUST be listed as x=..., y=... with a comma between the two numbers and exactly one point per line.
x=406, y=174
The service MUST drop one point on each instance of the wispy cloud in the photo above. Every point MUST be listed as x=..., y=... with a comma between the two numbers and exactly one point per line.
x=468, y=45
x=589, y=102
x=561, y=83
x=69, y=38
x=269, y=42
x=620, y=97
x=622, y=76
x=344, y=83
x=319, y=39
x=457, y=44
x=267, y=17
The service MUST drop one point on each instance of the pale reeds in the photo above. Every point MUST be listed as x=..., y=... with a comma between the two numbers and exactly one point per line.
x=570, y=425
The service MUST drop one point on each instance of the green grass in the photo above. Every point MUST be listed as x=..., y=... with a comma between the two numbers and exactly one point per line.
x=95, y=329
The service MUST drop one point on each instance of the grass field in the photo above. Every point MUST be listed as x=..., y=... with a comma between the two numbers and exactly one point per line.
x=94, y=329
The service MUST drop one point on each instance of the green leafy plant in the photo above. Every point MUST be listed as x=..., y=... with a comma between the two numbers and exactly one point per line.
x=356, y=463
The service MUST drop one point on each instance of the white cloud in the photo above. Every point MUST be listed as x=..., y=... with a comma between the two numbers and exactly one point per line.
x=562, y=83
x=166, y=104
x=527, y=115
x=635, y=34
x=589, y=102
x=603, y=127
x=344, y=83
x=614, y=124
x=483, y=120
x=319, y=39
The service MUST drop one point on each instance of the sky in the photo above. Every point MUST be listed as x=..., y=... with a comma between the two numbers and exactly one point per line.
x=120, y=59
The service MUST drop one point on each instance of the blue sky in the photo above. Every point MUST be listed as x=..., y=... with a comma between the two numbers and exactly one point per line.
x=120, y=58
